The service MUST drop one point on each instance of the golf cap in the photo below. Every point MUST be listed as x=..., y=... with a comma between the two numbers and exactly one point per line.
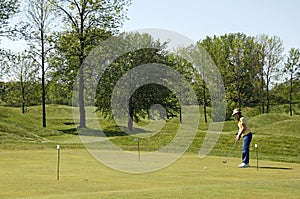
x=235, y=111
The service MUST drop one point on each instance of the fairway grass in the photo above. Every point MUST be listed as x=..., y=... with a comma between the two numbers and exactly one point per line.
x=32, y=174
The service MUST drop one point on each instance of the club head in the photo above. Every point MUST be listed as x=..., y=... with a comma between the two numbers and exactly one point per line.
x=224, y=161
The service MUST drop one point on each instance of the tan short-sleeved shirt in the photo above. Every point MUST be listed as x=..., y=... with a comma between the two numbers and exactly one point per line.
x=244, y=121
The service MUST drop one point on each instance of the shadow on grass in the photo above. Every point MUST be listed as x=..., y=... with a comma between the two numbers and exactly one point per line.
x=69, y=123
x=71, y=131
x=273, y=168
x=110, y=131
x=91, y=132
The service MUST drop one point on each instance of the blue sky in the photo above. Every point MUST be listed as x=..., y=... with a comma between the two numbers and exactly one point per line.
x=197, y=19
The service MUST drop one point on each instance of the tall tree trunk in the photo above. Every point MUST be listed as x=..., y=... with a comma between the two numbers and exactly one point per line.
x=239, y=90
x=130, y=119
x=239, y=80
x=82, y=123
x=43, y=76
x=81, y=75
x=180, y=115
x=204, y=102
x=23, y=97
x=262, y=94
x=262, y=97
x=268, y=97
x=291, y=91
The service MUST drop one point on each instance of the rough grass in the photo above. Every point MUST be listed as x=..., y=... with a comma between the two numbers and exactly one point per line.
x=277, y=134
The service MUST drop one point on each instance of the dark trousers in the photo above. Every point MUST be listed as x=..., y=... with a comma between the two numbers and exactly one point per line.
x=246, y=148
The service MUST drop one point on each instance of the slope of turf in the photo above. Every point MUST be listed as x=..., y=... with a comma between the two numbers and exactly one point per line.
x=21, y=131
x=277, y=134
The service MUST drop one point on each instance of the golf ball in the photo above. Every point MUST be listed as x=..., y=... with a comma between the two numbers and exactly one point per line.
x=205, y=168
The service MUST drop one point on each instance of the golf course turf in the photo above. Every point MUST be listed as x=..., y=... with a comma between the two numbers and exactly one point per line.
x=28, y=160
x=32, y=174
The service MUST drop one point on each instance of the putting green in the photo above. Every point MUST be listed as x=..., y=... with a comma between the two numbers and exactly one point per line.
x=32, y=174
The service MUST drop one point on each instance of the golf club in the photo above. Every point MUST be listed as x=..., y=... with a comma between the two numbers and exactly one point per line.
x=225, y=161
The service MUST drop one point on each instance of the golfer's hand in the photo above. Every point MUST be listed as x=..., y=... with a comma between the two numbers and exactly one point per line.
x=237, y=138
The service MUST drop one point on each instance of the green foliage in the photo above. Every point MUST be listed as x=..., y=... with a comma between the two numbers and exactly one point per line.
x=292, y=68
x=7, y=9
x=281, y=92
x=152, y=53
x=270, y=51
x=81, y=34
x=22, y=90
x=124, y=64
x=59, y=93
x=13, y=94
x=151, y=94
x=234, y=55
x=84, y=21
x=292, y=65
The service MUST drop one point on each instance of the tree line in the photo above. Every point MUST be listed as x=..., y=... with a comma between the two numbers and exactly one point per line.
x=254, y=69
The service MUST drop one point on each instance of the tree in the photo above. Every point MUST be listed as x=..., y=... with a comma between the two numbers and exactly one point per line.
x=144, y=97
x=235, y=57
x=59, y=92
x=200, y=62
x=271, y=56
x=237, y=53
x=22, y=86
x=39, y=14
x=218, y=49
x=261, y=41
x=292, y=68
x=8, y=8
x=147, y=96
x=64, y=62
x=186, y=69
x=281, y=93
x=83, y=20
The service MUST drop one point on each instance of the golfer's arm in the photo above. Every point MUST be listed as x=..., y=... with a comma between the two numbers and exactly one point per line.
x=241, y=130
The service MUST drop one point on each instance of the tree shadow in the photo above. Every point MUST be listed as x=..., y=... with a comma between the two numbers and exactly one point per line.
x=110, y=131
x=69, y=123
x=71, y=131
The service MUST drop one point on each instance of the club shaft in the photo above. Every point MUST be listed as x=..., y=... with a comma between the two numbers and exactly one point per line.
x=233, y=146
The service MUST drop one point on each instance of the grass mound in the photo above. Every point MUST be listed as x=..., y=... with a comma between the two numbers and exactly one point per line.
x=276, y=134
x=19, y=130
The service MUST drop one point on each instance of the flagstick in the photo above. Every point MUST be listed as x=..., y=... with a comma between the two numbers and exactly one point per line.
x=58, y=162
x=256, y=149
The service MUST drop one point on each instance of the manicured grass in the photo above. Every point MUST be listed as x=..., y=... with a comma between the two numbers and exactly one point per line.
x=29, y=158
x=32, y=174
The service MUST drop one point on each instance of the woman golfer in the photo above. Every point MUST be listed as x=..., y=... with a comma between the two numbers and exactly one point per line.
x=244, y=131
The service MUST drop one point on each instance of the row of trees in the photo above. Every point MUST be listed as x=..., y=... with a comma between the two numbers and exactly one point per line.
x=250, y=66
x=85, y=24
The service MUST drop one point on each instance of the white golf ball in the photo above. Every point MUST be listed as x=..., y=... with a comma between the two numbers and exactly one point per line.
x=205, y=168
